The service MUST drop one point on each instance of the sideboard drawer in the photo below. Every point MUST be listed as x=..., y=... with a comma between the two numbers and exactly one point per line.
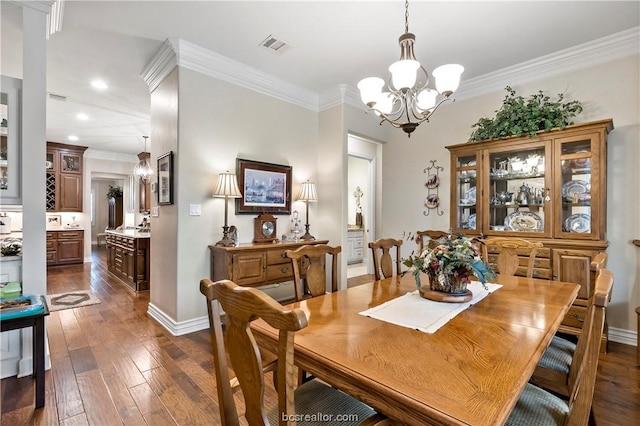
x=282, y=272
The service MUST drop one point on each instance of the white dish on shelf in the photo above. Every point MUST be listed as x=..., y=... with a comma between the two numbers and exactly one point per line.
x=470, y=194
x=575, y=189
x=523, y=221
x=579, y=223
x=472, y=221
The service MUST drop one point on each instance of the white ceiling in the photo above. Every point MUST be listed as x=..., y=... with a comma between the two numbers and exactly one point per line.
x=333, y=43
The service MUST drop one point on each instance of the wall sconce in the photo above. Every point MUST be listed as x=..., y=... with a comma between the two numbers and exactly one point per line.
x=307, y=194
x=228, y=188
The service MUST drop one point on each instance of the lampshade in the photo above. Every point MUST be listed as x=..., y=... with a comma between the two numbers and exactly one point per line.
x=448, y=77
x=308, y=192
x=370, y=89
x=227, y=186
x=404, y=73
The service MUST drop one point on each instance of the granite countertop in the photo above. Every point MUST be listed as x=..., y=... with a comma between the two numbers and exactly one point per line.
x=134, y=233
x=65, y=228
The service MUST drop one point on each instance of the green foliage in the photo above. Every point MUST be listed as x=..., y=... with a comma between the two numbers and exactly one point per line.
x=114, y=192
x=519, y=116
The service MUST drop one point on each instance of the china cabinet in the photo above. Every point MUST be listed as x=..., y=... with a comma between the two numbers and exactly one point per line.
x=10, y=141
x=64, y=177
x=550, y=188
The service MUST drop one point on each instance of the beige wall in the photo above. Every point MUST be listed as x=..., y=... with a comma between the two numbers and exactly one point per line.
x=606, y=91
x=218, y=123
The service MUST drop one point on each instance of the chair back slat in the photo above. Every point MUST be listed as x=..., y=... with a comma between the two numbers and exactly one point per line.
x=582, y=376
x=426, y=239
x=382, y=261
x=315, y=281
x=241, y=306
x=507, y=262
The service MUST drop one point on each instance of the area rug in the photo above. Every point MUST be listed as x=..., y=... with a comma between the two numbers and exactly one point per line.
x=73, y=299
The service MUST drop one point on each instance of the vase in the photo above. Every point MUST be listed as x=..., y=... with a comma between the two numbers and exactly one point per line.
x=447, y=284
x=449, y=289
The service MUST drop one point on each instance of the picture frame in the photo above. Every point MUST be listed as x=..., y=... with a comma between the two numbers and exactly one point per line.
x=165, y=179
x=54, y=221
x=265, y=187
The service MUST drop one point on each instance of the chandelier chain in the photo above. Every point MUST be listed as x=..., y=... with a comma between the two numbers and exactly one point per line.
x=406, y=16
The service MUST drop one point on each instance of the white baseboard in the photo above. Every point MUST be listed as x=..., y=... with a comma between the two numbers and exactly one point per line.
x=620, y=335
x=174, y=327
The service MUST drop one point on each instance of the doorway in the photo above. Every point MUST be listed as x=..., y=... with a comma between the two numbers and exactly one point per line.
x=361, y=206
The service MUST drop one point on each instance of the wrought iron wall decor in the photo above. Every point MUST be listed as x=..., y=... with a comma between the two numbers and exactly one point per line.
x=432, y=182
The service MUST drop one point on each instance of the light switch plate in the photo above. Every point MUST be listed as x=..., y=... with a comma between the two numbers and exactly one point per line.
x=155, y=211
x=194, y=209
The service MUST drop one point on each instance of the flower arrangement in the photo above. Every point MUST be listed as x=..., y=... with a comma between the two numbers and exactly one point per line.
x=456, y=257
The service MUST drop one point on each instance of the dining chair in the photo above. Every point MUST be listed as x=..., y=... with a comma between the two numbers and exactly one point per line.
x=426, y=239
x=507, y=261
x=241, y=306
x=382, y=261
x=315, y=281
x=537, y=406
x=558, y=365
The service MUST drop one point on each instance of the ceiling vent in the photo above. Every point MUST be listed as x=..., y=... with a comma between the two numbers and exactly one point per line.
x=275, y=44
x=55, y=97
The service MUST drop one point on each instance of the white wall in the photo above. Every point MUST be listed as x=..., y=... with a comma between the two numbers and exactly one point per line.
x=606, y=91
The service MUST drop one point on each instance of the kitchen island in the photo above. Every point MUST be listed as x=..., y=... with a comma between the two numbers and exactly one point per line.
x=128, y=257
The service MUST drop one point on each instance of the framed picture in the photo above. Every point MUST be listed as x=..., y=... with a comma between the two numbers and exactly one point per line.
x=265, y=187
x=54, y=221
x=165, y=179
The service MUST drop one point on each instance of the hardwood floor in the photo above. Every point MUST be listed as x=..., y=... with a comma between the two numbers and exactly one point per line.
x=113, y=364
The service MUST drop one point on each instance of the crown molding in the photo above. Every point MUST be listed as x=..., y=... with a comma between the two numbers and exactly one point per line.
x=191, y=56
x=109, y=155
x=599, y=51
x=43, y=6
x=160, y=66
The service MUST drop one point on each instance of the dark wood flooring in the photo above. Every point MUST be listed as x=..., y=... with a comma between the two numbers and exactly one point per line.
x=112, y=364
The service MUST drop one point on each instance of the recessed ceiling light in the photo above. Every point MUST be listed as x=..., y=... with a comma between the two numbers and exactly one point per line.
x=82, y=116
x=99, y=84
x=72, y=138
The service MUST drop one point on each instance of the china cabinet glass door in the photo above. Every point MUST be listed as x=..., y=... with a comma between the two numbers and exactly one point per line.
x=575, y=187
x=518, y=187
x=465, y=215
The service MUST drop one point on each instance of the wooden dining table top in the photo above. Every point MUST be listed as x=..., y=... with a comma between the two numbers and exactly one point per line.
x=470, y=371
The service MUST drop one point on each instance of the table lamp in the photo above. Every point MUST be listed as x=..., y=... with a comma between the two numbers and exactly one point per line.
x=228, y=188
x=307, y=194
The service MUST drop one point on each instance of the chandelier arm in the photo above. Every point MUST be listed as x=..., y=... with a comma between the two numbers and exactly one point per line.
x=432, y=110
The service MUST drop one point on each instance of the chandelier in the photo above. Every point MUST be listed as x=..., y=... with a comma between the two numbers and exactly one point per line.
x=143, y=171
x=408, y=101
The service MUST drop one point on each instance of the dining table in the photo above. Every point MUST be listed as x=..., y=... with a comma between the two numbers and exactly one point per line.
x=468, y=372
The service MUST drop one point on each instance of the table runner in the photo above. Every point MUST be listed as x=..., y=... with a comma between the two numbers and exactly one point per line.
x=414, y=311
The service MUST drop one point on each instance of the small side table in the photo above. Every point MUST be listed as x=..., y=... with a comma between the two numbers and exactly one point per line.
x=37, y=322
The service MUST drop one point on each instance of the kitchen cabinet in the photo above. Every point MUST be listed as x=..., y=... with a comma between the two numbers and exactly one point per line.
x=64, y=174
x=255, y=264
x=550, y=188
x=65, y=247
x=128, y=258
x=355, y=245
x=10, y=141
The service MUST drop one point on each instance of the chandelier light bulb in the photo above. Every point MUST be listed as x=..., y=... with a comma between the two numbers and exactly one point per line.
x=448, y=78
x=370, y=90
x=404, y=73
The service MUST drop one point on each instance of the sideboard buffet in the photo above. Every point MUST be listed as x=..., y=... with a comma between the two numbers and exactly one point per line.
x=549, y=188
x=128, y=257
x=255, y=264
